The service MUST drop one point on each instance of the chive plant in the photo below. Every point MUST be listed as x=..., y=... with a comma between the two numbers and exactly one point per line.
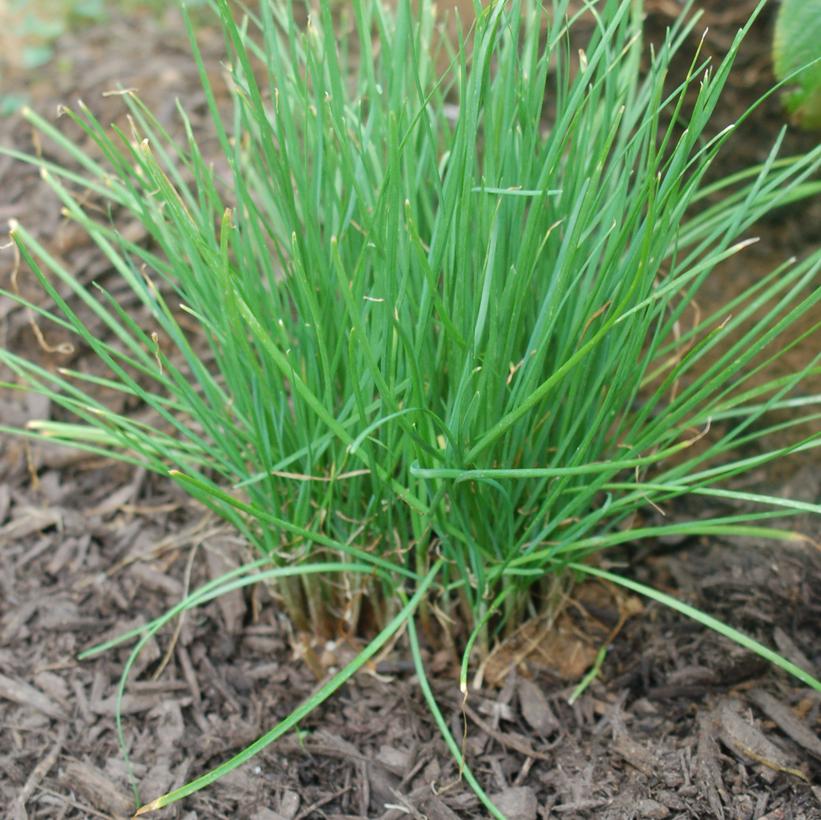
x=423, y=343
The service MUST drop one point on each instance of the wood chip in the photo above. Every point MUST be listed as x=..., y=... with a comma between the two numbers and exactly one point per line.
x=152, y=578
x=220, y=560
x=518, y=803
x=17, y=618
x=788, y=648
x=509, y=740
x=5, y=502
x=535, y=708
x=62, y=555
x=26, y=695
x=784, y=718
x=634, y=753
x=18, y=807
x=395, y=760
x=651, y=809
x=54, y=686
x=747, y=741
x=131, y=704
x=288, y=804
x=29, y=520
x=96, y=788
x=267, y=814
x=435, y=809
x=708, y=771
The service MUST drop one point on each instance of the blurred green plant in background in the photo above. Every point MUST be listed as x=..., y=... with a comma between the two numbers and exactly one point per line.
x=30, y=29
x=797, y=46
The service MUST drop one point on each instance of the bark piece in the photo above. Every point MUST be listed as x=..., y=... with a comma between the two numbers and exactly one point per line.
x=638, y=756
x=518, y=803
x=788, y=648
x=26, y=695
x=783, y=717
x=747, y=740
x=708, y=770
x=18, y=807
x=220, y=560
x=535, y=708
x=96, y=788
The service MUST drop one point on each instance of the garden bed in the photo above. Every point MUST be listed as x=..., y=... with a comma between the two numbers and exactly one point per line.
x=679, y=723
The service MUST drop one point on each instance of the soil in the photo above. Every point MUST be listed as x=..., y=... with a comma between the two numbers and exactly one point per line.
x=680, y=723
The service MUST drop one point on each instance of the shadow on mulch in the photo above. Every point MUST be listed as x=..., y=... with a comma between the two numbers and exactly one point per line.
x=680, y=724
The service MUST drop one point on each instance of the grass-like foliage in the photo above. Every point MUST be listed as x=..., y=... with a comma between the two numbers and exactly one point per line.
x=428, y=340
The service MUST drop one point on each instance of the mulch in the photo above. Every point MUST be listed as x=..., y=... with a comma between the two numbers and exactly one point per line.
x=680, y=723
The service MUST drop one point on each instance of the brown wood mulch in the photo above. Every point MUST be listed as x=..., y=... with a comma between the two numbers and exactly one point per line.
x=680, y=723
